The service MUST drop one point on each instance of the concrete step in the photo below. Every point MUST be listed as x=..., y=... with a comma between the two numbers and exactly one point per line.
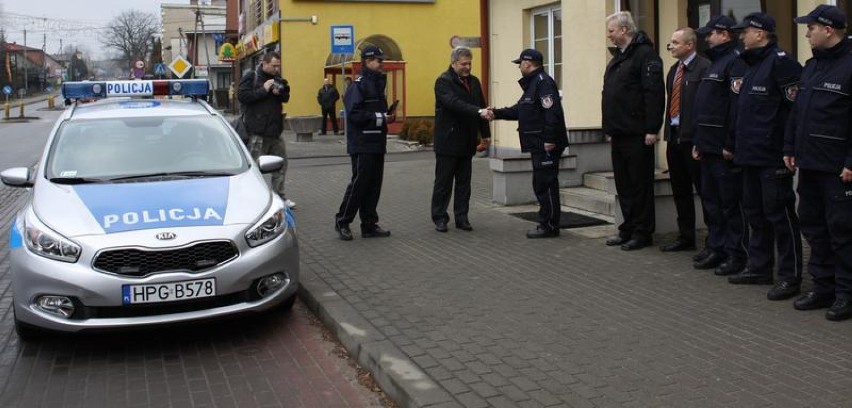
x=589, y=199
x=603, y=181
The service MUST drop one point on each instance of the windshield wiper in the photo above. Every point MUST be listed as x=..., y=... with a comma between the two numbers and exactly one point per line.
x=174, y=173
x=76, y=180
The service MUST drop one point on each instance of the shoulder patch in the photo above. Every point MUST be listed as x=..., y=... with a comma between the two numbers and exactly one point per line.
x=736, y=84
x=547, y=101
x=790, y=92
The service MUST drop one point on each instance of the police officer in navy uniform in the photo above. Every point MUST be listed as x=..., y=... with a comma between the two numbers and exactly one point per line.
x=765, y=97
x=367, y=121
x=721, y=179
x=819, y=143
x=541, y=127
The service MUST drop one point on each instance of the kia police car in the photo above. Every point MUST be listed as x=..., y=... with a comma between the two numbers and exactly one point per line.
x=144, y=212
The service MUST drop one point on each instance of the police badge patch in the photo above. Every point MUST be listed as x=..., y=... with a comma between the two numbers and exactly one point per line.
x=736, y=84
x=546, y=102
x=790, y=91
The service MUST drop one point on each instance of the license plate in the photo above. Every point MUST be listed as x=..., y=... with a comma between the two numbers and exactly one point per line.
x=168, y=292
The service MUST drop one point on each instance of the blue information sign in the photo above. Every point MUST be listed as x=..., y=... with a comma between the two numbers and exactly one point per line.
x=7, y=90
x=342, y=39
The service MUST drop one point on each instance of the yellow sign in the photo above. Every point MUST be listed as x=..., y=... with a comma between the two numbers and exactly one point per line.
x=227, y=53
x=180, y=66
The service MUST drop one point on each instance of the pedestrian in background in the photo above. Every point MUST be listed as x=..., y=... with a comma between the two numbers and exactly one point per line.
x=721, y=179
x=327, y=98
x=261, y=93
x=633, y=101
x=767, y=92
x=682, y=83
x=541, y=127
x=367, y=120
x=818, y=142
x=459, y=107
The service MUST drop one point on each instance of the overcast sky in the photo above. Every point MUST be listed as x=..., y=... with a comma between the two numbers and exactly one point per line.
x=73, y=21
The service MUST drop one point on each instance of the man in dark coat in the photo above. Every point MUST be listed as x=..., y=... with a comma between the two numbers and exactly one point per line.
x=327, y=98
x=459, y=109
x=541, y=127
x=632, y=105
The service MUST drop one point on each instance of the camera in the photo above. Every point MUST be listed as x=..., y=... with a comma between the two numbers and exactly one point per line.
x=281, y=85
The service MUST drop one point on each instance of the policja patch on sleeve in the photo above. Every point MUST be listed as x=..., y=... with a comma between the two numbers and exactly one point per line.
x=790, y=92
x=736, y=84
x=547, y=101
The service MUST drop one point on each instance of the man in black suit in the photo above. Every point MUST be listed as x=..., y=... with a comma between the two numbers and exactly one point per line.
x=682, y=84
x=459, y=119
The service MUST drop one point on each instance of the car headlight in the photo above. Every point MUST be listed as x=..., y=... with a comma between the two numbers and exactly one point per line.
x=266, y=230
x=43, y=241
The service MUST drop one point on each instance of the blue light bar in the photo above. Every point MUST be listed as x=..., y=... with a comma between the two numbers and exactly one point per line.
x=106, y=89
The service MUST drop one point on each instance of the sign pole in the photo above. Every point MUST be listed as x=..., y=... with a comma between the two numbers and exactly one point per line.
x=343, y=43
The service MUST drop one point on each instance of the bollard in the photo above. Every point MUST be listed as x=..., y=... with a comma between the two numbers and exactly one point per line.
x=21, y=107
x=6, y=107
x=50, y=101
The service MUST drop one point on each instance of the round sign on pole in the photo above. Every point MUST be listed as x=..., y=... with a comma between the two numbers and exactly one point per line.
x=7, y=90
x=140, y=64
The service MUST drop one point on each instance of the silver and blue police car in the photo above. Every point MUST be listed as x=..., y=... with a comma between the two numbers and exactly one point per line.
x=144, y=212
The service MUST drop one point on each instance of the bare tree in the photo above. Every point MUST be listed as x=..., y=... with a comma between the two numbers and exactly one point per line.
x=130, y=34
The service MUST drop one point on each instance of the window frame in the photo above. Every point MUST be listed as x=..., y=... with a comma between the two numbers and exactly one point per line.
x=550, y=55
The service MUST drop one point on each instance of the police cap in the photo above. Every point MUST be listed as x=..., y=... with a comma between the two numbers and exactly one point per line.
x=722, y=22
x=371, y=51
x=824, y=14
x=529, y=54
x=762, y=21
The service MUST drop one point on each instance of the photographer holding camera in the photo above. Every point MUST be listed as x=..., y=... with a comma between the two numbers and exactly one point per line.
x=261, y=94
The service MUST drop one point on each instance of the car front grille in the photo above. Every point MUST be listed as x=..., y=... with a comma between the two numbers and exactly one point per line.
x=140, y=262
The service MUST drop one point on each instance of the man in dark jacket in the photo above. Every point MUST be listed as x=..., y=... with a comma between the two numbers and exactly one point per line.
x=721, y=179
x=541, y=127
x=261, y=94
x=818, y=142
x=327, y=98
x=459, y=107
x=367, y=121
x=767, y=92
x=632, y=102
x=684, y=171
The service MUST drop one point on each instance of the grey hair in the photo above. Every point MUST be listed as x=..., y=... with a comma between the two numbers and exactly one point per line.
x=689, y=35
x=624, y=19
x=459, y=53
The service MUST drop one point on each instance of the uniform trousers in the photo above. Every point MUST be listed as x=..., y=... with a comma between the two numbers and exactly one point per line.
x=362, y=193
x=546, y=188
x=684, y=173
x=447, y=170
x=825, y=208
x=769, y=206
x=721, y=193
x=633, y=166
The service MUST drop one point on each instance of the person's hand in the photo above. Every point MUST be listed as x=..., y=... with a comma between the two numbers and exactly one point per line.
x=727, y=155
x=696, y=155
x=483, y=145
x=846, y=175
x=549, y=146
x=268, y=84
x=650, y=139
x=790, y=163
x=390, y=118
x=486, y=113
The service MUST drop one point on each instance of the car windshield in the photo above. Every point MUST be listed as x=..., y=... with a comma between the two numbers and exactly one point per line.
x=138, y=147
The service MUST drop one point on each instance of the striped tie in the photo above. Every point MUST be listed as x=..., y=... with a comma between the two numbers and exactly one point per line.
x=674, y=109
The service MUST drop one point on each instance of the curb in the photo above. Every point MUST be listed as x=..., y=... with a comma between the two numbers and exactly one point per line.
x=392, y=369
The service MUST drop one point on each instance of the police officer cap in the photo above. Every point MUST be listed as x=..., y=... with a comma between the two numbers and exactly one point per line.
x=372, y=51
x=824, y=14
x=762, y=21
x=722, y=22
x=529, y=54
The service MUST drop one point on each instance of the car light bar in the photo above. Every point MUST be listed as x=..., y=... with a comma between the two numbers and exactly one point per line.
x=107, y=89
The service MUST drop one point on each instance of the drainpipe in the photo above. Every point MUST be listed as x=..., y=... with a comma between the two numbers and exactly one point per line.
x=485, y=35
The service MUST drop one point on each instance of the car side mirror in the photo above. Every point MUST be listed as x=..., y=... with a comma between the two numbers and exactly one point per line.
x=268, y=164
x=18, y=177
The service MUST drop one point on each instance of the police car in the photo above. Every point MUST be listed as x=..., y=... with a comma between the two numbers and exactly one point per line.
x=147, y=211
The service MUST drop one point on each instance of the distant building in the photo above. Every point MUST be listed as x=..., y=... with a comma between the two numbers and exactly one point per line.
x=30, y=68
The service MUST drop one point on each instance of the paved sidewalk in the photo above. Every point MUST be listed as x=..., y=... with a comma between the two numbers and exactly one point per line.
x=490, y=319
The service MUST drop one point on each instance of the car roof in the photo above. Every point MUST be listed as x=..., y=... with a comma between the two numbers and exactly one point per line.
x=134, y=107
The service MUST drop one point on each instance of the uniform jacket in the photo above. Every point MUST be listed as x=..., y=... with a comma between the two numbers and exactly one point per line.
x=765, y=97
x=818, y=131
x=633, y=92
x=366, y=106
x=457, y=121
x=539, y=113
x=327, y=96
x=262, y=108
x=714, y=99
x=689, y=88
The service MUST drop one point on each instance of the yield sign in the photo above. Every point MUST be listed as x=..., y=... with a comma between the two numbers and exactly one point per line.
x=180, y=66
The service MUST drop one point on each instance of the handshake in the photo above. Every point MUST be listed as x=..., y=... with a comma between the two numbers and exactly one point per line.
x=487, y=113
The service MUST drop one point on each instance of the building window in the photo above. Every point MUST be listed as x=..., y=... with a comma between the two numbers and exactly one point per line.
x=546, y=33
x=644, y=14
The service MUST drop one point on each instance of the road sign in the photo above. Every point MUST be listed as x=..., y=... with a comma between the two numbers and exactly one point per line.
x=7, y=90
x=159, y=69
x=469, y=42
x=342, y=39
x=180, y=66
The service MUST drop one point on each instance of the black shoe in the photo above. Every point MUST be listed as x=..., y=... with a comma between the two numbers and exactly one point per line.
x=840, y=310
x=465, y=226
x=783, y=290
x=678, y=245
x=617, y=240
x=344, y=231
x=715, y=259
x=374, y=232
x=811, y=301
x=730, y=267
x=441, y=226
x=750, y=277
x=703, y=254
x=540, y=232
x=635, y=244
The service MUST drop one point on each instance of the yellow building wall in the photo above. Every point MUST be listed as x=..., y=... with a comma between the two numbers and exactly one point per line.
x=422, y=32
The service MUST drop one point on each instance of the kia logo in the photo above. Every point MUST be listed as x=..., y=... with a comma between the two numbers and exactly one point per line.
x=165, y=236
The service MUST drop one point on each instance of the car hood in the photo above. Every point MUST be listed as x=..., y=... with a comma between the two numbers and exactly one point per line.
x=106, y=208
